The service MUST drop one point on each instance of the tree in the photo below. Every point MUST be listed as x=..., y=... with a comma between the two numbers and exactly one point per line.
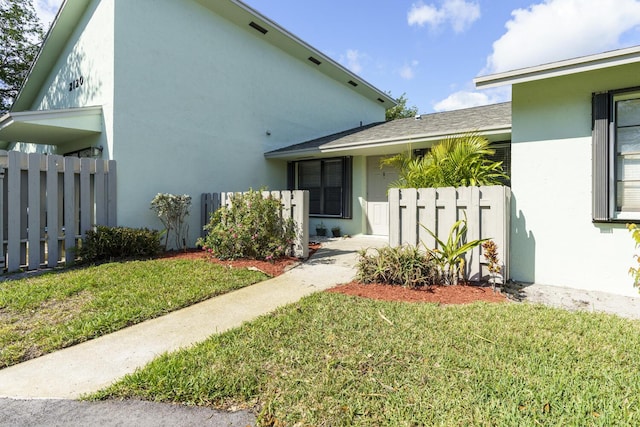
x=456, y=161
x=401, y=111
x=20, y=37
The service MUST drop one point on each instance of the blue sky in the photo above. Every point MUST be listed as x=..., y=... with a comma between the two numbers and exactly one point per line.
x=432, y=49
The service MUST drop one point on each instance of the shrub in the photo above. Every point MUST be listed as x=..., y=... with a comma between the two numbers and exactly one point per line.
x=109, y=243
x=402, y=265
x=493, y=263
x=251, y=227
x=635, y=271
x=172, y=211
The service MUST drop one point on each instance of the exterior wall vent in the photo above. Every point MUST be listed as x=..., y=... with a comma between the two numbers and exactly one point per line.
x=352, y=83
x=381, y=100
x=314, y=60
x=258, y=28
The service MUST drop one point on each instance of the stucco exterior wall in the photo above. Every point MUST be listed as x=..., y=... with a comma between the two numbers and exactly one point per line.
x=198, y=100
x=88, y=57
x=553, y=239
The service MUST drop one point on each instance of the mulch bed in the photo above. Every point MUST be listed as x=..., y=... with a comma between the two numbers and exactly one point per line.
x=459, y=294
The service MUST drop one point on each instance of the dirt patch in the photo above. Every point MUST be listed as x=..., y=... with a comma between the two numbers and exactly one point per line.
x=459, y=294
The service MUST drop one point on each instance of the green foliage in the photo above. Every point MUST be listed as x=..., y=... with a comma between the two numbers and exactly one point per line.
x=635, y=271
x=172, y=211
x=449, y=256
x=401, y=111
x=490, y=250
x=109, y=243
x=402, y=265
x=20, y=38
x=251, y=227
x=453, y=162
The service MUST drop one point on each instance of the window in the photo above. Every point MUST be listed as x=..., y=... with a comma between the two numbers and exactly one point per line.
x=616, y=155
x=328, y=182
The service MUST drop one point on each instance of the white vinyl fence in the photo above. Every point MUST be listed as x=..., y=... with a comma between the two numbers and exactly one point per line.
x=47, y=203
x=295, y=204
x=487, y=211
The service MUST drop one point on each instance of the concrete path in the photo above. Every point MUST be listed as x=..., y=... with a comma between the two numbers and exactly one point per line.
x=90, y=366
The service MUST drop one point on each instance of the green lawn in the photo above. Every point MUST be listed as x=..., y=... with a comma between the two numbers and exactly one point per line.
x=45, y=313
x=337, y=360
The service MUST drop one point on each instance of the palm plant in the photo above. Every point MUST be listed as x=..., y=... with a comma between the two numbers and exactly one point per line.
x=456, y=161
x=449, y=255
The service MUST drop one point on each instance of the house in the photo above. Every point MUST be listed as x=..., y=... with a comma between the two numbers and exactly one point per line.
x=575, y=167
x=185, y=95
x=348, y=187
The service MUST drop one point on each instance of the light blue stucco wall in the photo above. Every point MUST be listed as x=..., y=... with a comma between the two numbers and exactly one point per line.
x=88, y=54
x=195, y=97
x=553, y=239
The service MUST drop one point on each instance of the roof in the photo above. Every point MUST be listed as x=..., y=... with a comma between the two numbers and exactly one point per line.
x=561, y=68
x=51, y=126
x=385, y=137
x=71, y=12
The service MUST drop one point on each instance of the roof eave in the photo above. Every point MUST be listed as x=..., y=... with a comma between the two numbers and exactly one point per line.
x=361, y=145
x=561, y=68
x=54, y=42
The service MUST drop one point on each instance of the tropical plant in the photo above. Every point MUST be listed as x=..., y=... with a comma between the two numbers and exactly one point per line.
x=402, y=265
x=173, y=210
x=456, y=161
x=449, y=255
x=490, y=250
x=635, y=271
x=252, y=226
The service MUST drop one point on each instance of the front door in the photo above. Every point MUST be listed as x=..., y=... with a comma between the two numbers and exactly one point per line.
x=378, y=180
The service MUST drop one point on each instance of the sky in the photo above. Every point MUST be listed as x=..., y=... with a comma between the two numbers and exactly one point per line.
x=430, y=50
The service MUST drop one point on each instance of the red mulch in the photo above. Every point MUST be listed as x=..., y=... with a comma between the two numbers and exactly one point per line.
x=460, y=294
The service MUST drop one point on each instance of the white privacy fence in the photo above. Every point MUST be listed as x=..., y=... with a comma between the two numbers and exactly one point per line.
x=487, y=211
x=295, y=204
x=47, y=204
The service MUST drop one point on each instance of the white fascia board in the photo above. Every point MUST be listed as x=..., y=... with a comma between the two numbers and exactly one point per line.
x=561, y=68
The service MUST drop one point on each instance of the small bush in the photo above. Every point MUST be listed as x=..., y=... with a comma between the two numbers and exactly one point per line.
x=251, y=227
x=403, y=265
x=173, y=211
x=109, y=243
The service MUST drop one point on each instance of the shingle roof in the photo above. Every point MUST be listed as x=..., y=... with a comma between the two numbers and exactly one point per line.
x=428, y=127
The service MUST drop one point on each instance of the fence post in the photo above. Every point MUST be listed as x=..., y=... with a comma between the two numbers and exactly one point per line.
x=2, y=201
x=394, y=216
x=301, y=217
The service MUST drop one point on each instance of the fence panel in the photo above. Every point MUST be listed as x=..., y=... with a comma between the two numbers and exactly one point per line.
x=295, y=204
x=487, y=210
x=47, y=203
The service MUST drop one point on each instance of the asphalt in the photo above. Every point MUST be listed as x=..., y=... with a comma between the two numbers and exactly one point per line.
x=42, y=391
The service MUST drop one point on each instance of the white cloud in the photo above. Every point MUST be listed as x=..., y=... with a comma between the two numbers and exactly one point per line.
x=460, y=14
x=467, y=99
x=46, y=11
x=352, y=59
x=561, y=29
x=408, y=71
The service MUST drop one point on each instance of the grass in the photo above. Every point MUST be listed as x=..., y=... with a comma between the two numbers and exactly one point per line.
x=52, y=311
x=336, y=360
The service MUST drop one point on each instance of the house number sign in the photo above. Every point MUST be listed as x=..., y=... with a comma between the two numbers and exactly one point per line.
x=75, y=84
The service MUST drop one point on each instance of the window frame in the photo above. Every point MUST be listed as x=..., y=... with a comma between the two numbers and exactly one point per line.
x=346, y=185
x=604, y=154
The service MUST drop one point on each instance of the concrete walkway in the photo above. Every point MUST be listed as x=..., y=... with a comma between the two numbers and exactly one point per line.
x=88, y=367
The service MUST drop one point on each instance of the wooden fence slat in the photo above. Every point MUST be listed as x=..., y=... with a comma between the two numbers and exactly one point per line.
x=85, y=196
x=14, y=214
x=52, y=211
x=394, y=217
x=112, y=195
x=33, y=218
